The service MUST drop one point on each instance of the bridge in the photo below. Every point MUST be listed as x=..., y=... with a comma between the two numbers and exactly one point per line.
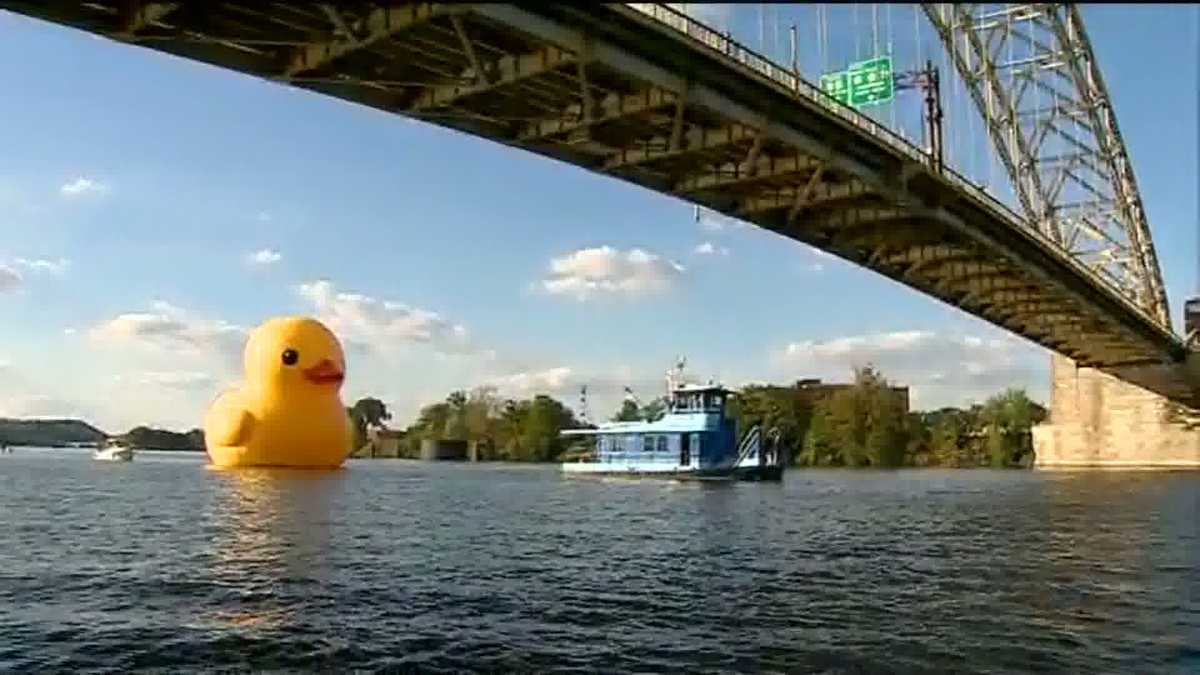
x=646, y=94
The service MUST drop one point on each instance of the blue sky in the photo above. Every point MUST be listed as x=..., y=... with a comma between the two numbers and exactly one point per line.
x=136, y=190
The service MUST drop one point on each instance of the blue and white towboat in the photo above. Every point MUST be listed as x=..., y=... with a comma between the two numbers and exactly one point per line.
x=693, y=440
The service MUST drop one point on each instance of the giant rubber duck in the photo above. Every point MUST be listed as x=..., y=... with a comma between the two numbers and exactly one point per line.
x=288, y=411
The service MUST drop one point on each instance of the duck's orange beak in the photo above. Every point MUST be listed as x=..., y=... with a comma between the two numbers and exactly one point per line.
x=325, y=372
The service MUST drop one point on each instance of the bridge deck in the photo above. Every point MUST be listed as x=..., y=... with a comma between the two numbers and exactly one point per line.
x=642, y=94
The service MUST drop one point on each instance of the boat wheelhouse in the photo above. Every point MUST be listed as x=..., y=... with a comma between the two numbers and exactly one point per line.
x=694, y=439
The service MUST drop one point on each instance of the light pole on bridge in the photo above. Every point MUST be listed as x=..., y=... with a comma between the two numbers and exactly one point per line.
x=928, y=80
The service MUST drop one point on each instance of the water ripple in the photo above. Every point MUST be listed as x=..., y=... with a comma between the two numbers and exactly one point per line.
x=164, y=565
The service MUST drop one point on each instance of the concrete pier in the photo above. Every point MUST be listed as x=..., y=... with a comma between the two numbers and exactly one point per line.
x=1098, y=421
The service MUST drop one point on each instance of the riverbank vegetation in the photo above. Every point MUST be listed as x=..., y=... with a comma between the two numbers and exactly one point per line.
x=521, y=430
x=864, y=424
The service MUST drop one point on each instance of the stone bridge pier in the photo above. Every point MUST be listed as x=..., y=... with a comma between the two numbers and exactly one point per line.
x=1099, y=421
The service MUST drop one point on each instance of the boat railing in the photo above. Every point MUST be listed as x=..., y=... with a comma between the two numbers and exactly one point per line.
x=750, y=443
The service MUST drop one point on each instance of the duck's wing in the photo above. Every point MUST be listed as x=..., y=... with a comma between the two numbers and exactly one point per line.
x=228, y=422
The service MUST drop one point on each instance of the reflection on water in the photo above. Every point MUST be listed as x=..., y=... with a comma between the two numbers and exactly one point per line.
x=273, y=530
x=162, y=564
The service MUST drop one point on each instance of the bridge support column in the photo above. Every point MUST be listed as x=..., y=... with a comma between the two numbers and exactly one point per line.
x=1098, y=421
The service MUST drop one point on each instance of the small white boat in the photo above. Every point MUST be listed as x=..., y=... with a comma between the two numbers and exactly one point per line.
x=113, y=451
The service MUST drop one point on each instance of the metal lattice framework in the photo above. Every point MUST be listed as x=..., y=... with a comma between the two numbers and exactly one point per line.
x=1031, y=72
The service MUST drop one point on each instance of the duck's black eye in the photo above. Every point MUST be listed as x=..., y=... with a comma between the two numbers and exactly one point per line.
x=290, y=357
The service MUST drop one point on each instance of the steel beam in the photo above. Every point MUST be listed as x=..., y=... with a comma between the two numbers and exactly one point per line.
x=732, y=175
x=143, y=15
x=380, y=24
x=811, y=195
x=611, y=108
x=508, y=70
x=696, y=140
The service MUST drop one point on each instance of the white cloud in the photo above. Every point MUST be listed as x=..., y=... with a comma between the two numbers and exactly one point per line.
x=34, y=406
x=707, y=248
x=527, y=383
x=173, y=379
x=605, y=385
x=813, y=260
x=82, y=186
x=941, y=369
x=264, y=257
x=263, y=217
x=22, y=399
x=383, y=324
x=69, y=331
x=41, y=265
x=605, y=270
x=169, y=329
x=161, y=366
x=712, y=221
x=10, y=279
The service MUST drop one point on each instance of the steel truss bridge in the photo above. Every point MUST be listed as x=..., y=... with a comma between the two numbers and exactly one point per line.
x=648, y=95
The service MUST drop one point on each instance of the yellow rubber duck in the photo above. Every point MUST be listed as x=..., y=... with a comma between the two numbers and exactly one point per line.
x=289, y=411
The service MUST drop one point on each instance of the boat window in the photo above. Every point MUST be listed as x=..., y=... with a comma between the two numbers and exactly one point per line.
x=648, y=444
x=662, y=443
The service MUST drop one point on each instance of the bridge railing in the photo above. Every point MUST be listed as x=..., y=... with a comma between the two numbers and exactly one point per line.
x=799, y=87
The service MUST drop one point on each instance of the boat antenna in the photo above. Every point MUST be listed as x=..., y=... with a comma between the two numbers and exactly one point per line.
x=675, y=374
x=584, y=416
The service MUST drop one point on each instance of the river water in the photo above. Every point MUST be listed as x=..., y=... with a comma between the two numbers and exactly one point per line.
x=166, y=564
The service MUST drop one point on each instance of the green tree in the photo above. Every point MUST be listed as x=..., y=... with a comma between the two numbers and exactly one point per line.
x=373, y=412
x=1008, y=420
x=456, y=422
x=787, y=409
x=629, y=412
x=819, y=448
x=946, y=438
x=546, y=417
x=358, y=428
x=867, y=421
x=654, y=410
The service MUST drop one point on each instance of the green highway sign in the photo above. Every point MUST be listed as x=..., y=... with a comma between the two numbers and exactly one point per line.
x=871, y=82
x=837, y=85
x=864, y=83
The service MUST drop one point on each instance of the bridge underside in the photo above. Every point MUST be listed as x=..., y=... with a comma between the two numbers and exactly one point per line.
x=611, y=90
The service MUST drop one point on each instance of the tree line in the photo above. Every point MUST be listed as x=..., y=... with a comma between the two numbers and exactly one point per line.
x=520, y=430
x=867, y=424
x=863, y=424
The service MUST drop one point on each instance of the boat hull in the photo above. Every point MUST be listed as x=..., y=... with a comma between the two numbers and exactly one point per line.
x=113, y=455
x=608, y=470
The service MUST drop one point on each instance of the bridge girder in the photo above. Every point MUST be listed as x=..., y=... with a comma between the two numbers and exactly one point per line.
x=1014, y=58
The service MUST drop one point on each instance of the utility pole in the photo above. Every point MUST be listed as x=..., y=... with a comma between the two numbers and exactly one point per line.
x=928, y=80
x=795, y=56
